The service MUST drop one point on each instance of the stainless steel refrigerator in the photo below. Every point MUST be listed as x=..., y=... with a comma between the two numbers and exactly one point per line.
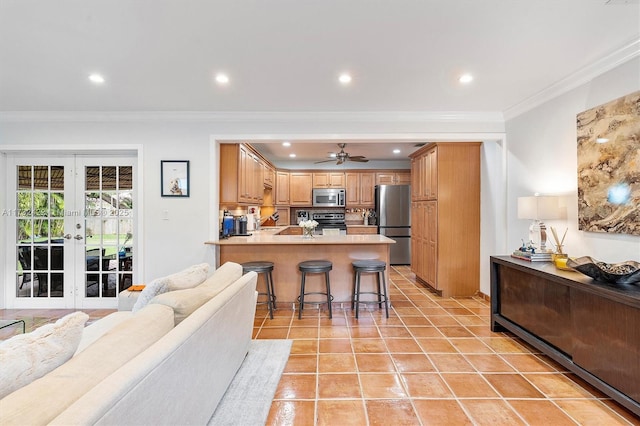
x=393, y=210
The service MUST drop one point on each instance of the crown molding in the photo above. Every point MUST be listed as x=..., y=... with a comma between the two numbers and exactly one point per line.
x=226, y=117
x=624, y=54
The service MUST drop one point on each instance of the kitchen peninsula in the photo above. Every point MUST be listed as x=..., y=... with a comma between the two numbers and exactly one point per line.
x=286, y=251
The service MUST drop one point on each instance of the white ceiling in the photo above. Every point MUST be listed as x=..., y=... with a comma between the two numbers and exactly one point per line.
x=286, y=55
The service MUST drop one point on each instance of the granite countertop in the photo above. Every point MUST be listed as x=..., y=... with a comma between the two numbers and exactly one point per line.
x=267, y=235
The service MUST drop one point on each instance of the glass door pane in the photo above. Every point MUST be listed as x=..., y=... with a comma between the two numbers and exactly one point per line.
x=39, y=229
x=108, y=230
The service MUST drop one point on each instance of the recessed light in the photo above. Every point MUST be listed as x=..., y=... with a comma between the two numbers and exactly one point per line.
x=396, y=151
x=222, y=78
x=96, y=78
x=602, y=140
x=292, y=155
x=344, y=78
x=465, y=78
x=286, y=143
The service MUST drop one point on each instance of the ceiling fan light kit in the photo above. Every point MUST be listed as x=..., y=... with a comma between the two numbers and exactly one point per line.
x=342, y=156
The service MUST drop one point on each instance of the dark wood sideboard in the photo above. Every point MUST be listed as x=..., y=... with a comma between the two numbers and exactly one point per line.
x=589, y=327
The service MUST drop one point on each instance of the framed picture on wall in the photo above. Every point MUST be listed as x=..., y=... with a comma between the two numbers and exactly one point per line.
x=174, y=178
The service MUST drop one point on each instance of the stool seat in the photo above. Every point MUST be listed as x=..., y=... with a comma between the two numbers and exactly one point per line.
x=257, y=267
x=365, y=266
x=266, y=268
x=315, y=266
x=369, y=265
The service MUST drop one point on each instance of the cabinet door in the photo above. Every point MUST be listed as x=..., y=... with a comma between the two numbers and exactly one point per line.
x=321, y=180
x=282, y=188
x=432, y=188
x=353, y=188
x=367, y=185
x=336, y=180
x=244, y=177
x=300, y=189
x=416, y=181
x=385, y=178
x=431, y=239
x=284, y=216
x=403, y=178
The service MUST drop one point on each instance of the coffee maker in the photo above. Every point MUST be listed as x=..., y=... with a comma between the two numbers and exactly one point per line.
x=302, y=216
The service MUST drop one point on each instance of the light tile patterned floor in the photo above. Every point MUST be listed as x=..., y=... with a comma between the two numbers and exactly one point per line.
x=433, y=362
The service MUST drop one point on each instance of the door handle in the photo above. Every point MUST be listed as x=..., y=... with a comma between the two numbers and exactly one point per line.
x=67, y=236
x=78, y=237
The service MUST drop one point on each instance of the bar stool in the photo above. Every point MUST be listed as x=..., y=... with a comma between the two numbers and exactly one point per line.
x=263, y=267
x=366, y=266
x=315, y=267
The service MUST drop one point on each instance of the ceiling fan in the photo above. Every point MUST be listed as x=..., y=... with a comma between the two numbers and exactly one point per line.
x=342, y=156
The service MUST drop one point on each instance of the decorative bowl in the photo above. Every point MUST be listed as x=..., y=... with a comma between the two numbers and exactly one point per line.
x=618, y=273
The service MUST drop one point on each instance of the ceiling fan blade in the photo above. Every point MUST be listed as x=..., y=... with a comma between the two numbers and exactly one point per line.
x=358, y=159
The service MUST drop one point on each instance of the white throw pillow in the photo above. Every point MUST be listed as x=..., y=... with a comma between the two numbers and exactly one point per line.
x=155, y=287
x=27, y=357
x=188, y=278
x=185, y=302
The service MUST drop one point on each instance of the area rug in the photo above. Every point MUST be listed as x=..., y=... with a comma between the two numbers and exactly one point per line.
x=248, y=399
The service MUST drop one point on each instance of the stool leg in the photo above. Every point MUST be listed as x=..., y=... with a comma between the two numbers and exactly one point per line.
x=353, y=296
x=386, y=299
x=301, y=296
x=267, y=282
x=379, y=293
x=273, y=291
x=326, y=278
x=357, y=293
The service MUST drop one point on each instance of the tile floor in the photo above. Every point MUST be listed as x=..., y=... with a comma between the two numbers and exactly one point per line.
x=433, y=362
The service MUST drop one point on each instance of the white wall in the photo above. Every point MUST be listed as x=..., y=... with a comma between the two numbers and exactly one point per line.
x=179, y=241
x=542, y=157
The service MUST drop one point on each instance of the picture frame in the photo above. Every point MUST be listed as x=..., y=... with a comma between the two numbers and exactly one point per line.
x=174, y=178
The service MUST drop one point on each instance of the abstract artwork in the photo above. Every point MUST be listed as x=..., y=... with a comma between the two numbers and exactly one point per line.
x=609, y=167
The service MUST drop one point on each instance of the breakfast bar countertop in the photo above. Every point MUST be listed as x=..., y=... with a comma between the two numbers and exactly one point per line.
x=267, y=236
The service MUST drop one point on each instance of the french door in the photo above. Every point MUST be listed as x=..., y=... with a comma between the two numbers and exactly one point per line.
x=71, y=231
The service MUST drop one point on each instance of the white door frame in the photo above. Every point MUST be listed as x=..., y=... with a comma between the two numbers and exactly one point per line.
x=7, y=279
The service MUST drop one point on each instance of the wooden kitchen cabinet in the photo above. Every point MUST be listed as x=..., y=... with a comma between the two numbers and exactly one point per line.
x=300, y=188
x=282, y=188
x=393, y=178
x=241, y=177
x=362, y=230
x=446, y=217
x=360, y=189
x=268, y=175
x=328, y=180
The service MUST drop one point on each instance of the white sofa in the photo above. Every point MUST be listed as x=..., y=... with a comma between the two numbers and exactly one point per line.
x=145, y=370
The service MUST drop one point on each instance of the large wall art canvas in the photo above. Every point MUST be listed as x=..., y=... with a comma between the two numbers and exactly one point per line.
x=609, y=167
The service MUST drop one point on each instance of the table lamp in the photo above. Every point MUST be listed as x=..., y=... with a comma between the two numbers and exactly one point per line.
x=538, y=209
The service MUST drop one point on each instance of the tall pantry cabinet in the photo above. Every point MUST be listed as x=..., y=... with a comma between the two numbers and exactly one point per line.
x=445, y=211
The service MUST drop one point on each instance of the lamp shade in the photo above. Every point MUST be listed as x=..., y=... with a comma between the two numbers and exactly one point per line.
x=540, y=208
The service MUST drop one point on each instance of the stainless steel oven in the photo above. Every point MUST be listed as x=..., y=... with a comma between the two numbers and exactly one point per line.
x=329, y=197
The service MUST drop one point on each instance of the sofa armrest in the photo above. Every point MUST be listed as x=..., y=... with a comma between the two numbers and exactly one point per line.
x=126, y=300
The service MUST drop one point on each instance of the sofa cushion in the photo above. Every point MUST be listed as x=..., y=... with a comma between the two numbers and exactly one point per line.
x=27, y=357
x=155, y=287
x=94, y=331
x=184, y=302
x=82, y=372
x=222, y=277
x=188, y=278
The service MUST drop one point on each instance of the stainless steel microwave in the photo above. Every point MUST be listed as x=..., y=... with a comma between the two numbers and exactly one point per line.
x=329, y=197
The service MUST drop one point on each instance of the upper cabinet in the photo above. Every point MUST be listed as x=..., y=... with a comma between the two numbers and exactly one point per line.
x=328, y=180
x=424, y=169
x=300, y=188
x=282, y=188
x=393, y=178
x=360, y=188
x=241, y=175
